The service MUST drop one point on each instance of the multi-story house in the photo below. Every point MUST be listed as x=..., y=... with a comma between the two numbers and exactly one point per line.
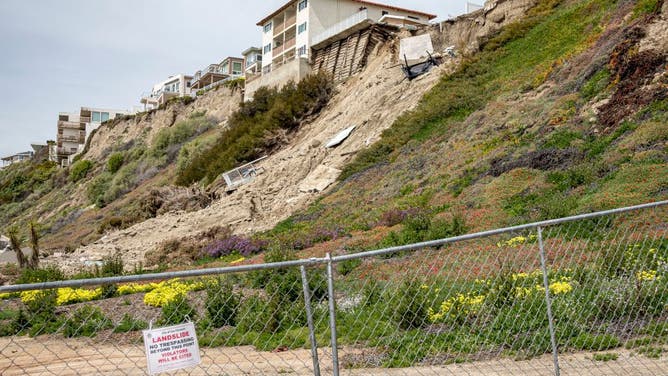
x=298, y=25
x=175, y=86
x=214, y=74
x=75, y=128
x=290, y=32
x=16, y=158
x=252, y=61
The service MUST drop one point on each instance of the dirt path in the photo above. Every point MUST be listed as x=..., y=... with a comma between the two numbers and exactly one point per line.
x=28, y=356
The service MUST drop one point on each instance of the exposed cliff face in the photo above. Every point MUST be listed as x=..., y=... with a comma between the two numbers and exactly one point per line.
x=218, y=104
x=371, y=101
x=296, y=175
x=465, y=32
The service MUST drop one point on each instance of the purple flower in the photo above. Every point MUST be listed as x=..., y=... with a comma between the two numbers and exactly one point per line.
x=234, y=244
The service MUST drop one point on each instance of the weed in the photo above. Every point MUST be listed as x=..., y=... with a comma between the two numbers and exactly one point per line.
x=605, y=357
x=129, y=324
x=86, y=321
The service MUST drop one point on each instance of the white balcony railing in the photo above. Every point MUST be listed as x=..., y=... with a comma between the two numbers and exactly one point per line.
x=342, y=26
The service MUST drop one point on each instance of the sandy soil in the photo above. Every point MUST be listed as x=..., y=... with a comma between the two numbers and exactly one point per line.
x=27, y=356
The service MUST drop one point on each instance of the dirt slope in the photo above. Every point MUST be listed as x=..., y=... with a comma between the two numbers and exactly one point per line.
x=371, y=101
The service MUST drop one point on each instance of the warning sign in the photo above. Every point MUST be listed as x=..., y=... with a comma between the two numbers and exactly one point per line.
x=170, y=348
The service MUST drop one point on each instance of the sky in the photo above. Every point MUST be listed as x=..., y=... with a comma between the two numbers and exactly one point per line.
x=57, y=56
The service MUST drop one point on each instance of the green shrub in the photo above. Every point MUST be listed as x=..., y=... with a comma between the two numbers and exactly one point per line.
x=646, y=7
x=86, y=321
x=346, y=267
x=177, y=311
x=47, y=273
x=410, y=306
x=80, y=169
x=252, y=130
x=115, y=162
x=257, y=315
x=594, y=342
x=222, y=304
x=130, y=324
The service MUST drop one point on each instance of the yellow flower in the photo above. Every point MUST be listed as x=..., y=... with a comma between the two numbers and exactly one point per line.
x=647, y=275
x=560, y=287
x=67, y=295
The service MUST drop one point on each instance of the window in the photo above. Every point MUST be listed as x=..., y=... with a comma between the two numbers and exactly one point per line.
x=384, y=12
x=414, y=18
x=226, y=68
x=178, y=86
x=302, y=5
x=236, y=67
x=258, y=57
x=96, y=117
x=267, y=48
x=104, y=116
x=302, y=51
x=301, y=28
x=267, y=27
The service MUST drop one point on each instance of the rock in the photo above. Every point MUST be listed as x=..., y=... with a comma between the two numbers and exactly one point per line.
x=497, y=17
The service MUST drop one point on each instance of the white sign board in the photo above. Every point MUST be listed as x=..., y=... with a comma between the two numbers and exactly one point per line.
x=171, y=347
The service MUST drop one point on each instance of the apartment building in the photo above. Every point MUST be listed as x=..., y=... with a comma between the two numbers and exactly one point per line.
x=74, y=128
x=291, y=32
x=175, y=86
x=215, y=74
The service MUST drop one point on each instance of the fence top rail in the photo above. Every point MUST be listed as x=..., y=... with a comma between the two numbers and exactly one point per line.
x=315, y=260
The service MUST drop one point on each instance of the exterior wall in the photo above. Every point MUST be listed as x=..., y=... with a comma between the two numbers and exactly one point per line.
x=294, y=70
x=321, y=15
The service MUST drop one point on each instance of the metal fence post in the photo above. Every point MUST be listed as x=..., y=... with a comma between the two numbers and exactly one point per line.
x=332, y=315
x=309, y=320
x=548, y=301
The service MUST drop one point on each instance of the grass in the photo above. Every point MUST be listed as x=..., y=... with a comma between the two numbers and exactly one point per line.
x=510, y=61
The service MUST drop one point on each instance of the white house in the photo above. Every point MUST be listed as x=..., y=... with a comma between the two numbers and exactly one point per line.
x=293, y=30
x=175, y=86
x=74, y=128
x=16, y=158
x=215, y=74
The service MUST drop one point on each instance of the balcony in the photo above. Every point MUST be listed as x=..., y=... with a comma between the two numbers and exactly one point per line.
x=207, y=76
x=76, y=139
x=278, y=50
x=290, y=43
x=290, y=20
x=278, y=28
x=71, y=125
x=356, y=22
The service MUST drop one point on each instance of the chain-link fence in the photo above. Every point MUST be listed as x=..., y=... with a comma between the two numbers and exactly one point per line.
x=581, y=295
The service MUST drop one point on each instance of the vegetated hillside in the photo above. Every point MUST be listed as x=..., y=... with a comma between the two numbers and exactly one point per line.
x=564, y=112
x=117, y=176
x=293, y=175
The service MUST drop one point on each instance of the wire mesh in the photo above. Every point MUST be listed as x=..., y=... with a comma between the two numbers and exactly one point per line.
x=475, y=306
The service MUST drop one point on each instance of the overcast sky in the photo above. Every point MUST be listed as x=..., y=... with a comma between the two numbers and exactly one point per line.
x=57, y=56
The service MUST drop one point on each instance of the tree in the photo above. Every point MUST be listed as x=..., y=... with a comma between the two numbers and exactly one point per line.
x=33, y=263
x=16, y=241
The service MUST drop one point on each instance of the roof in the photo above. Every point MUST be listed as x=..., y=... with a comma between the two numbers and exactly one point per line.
x=428, y=15
x=251, y=49
x=287, y=5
